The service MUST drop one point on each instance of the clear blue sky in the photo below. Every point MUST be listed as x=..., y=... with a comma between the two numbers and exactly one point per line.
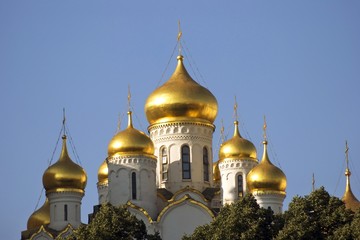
x=297, y=62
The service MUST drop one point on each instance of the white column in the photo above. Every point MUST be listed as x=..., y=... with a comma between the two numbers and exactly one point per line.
x=65, y=208
x=229, y=171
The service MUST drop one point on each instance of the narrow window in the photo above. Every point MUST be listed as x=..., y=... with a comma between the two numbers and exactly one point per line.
x=55, y=213
x=240, y=185
x=185, y=159
x=164, y=164
x=206, y=164
x=133, y=185
x=65, y=212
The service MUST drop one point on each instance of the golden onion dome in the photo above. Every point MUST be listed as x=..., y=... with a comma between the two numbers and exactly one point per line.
x=64, y=174
x=181, y=98
x=237, y=147
x=266, y=177
x=130, y=141
x=349, y=198
x=40, y=217
x=216, y=172
x=103, y=173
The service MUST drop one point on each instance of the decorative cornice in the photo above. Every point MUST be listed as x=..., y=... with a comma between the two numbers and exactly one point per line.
x=187, y=189
x=179, y=123
x=41, y=229
x=258, y=192
x=66, y=190
x=69, y=227
x=237, y=163
x=120, y=160
x=180, y=137
x=102, y=185
x=185, y=198
x=140, y=209
x=129, y=155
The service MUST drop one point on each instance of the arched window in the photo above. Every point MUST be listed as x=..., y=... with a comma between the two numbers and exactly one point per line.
x=133, y=185
x=65, y=212
x=206, y=164
x=164, y=164
x=240, y=185
x=185, y=160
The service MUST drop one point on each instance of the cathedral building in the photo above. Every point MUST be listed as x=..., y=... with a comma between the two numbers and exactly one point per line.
x=169, y=176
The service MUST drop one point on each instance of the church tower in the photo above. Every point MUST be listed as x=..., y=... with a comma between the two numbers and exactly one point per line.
x=237, y=156
x=267, y=182
x=181, y=114
x=132, y=169
x=64, y=182
x=349, y=198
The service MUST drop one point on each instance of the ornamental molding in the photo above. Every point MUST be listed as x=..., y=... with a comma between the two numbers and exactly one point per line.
x=129, y=204
x=185, y=199
x=273, y=193
x=131, y=160
x=180, y=123
x=102, y=185
x=235, y=164
x=181, y=138
x=66, y=192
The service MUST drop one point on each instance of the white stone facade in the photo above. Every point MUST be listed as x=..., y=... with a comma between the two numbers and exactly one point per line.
x=132, y=178
x=65, y=209
x=273, y=200
x=233, y=178
x=171, y=137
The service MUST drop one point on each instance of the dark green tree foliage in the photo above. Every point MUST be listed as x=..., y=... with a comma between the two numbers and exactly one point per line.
x=349, y=231
x=316, y=216
x=241, y=220
x=113, y=223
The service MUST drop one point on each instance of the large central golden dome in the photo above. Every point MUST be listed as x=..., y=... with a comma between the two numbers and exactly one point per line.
x=265, y=177
x=181, y=98
x=130, y=141
x=64, y=174
x=237, y=147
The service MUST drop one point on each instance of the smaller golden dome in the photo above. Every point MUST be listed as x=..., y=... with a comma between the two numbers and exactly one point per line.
x=64, y=174
x=237, y=147
x=349, y=198
x=130, y=141
x=181, y=99
x=216, y=172
x=103, y=173
x=266, y=177
x=40, y=217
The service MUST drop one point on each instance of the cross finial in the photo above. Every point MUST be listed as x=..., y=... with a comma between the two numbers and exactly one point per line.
x=64, y=120
x=347, y=154
x=118, y=124
x=235, y=110
x=179, y=37
x=264, y=128
x=222, y=130
x=129, y=98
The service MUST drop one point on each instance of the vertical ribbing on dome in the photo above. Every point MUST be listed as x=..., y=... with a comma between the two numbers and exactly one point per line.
x=130, y=124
